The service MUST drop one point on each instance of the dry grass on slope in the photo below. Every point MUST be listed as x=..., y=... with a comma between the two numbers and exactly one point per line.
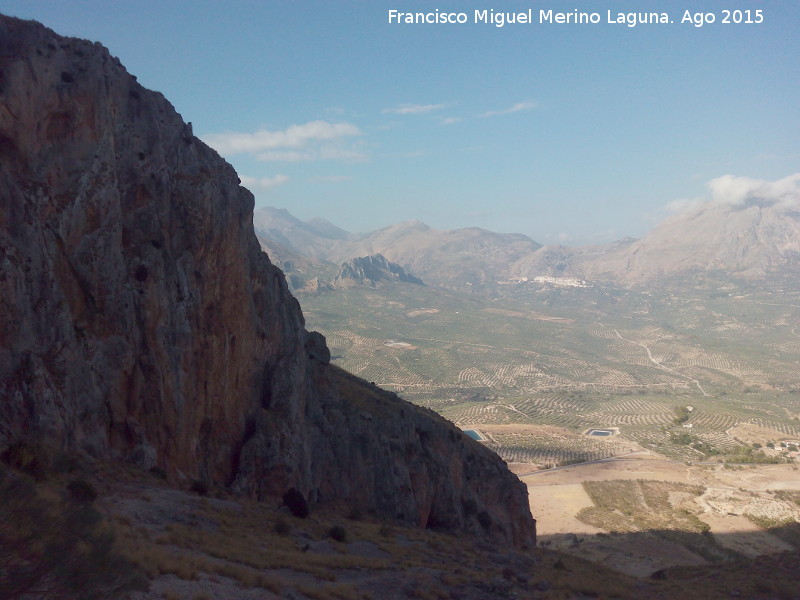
x=172, y=543
x=237, y=549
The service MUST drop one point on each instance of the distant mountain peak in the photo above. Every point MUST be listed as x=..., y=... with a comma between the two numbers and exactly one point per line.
x=371, y=270
x=327, y=229
x=413, y=224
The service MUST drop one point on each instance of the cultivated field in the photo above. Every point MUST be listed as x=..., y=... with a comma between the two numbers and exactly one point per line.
x=577, y=359
x=643, y=513
x=701, y=393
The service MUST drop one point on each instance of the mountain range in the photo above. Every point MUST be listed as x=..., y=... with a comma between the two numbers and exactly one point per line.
x=753, y=239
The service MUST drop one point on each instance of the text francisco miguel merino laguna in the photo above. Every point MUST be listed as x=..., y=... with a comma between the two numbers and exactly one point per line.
x=542, y=16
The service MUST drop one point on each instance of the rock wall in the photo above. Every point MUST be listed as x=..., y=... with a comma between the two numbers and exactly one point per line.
x=371, y=270
x=140, y=320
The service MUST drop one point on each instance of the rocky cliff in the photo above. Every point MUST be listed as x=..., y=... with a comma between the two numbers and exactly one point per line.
x=139, y=319
x=371, y=270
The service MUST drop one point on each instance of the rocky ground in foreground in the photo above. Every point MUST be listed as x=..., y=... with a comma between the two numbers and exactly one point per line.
x=184, y=540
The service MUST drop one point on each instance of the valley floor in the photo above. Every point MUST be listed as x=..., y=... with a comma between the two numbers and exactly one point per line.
x=707, y=513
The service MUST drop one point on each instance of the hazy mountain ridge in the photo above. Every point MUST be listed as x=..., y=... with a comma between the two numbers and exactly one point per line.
x=312, y=239
x=749, y=241
x=752, y=239
x=469, y=258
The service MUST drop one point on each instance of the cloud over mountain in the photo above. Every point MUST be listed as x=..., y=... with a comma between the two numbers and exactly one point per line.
x=738, y=191
x=315, y=140
x=733, y=191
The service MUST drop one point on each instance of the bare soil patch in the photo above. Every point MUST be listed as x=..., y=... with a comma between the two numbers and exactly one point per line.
x=731, y=493
x=399, y=345
x=556, y=507
x=422, y=311
x=528, y=315
x=749, y=433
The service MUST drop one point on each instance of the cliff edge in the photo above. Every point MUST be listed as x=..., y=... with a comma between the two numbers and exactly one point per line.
x=139, y=319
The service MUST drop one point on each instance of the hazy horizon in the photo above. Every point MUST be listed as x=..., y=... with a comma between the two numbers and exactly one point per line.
x=727, y=191
x=567, y=133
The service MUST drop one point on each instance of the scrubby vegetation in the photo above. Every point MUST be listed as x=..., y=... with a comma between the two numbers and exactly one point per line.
x=748, y=454
x=682, y=415
x=82, y=491
x=200, y=487
x=338, y=533
x=786, y=528
x=139, y=532
x=55, y=544
x=642, y=506
x=296, y=503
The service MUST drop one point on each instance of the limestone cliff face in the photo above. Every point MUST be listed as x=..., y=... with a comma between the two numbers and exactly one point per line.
x=371, y=270
x=138, y=311
x=139, y=318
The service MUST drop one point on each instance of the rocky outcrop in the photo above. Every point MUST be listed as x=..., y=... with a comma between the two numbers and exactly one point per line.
x=141, y=321
x=470, y=259
x=371, y=270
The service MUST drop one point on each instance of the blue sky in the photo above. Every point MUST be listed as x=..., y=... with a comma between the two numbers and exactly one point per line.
x=571, y=133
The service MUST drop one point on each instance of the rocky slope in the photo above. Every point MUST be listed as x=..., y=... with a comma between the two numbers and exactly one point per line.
x=312, y=239
x=371, y=270
x=142, y=321
x=469, y=258
x=749, y=240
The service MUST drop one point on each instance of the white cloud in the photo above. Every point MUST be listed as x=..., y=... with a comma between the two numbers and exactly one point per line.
x=737, y=191
x=730, y=190
x=302, y=140
x=263, y=182
x=413, y=109
x=286, y=155
x=450, y=120
x=519, y=106
x=332, y=178
x=320, y=153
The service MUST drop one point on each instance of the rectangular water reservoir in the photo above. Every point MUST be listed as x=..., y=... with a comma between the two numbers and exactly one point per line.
x=601, y=432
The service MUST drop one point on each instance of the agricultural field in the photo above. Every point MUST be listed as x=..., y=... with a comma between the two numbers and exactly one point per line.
x=578, y=359
x=643, y=514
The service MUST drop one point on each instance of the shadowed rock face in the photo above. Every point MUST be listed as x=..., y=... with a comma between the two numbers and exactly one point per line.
x=139, y=312
x=140, y=320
